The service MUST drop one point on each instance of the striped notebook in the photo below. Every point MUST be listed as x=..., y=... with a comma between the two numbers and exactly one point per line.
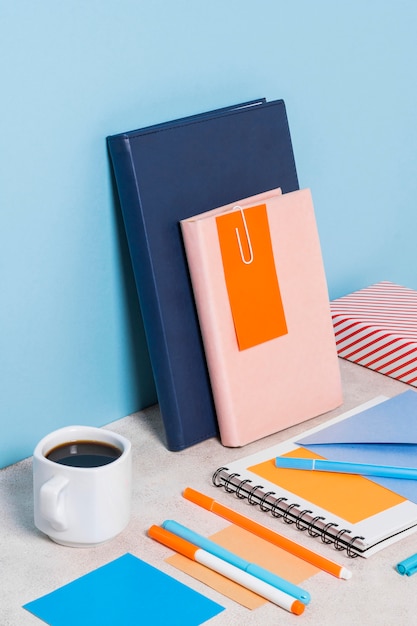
x=377, y=327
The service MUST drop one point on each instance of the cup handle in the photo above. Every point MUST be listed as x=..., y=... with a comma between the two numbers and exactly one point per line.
x=51, y=501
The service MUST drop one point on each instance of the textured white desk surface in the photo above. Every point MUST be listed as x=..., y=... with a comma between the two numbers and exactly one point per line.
x=31, y=565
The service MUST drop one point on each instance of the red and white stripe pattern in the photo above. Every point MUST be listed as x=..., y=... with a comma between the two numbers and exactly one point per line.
x=377, y=327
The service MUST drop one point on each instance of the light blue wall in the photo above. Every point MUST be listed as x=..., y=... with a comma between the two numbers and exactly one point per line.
x=72, y=72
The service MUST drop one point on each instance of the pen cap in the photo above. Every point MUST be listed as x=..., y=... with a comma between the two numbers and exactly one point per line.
x=291, y=463
x=173, y=541
x=198, y=498
x=408, y=566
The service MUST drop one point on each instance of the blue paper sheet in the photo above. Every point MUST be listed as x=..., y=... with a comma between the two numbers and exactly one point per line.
x=126, y=591
x=385, y=434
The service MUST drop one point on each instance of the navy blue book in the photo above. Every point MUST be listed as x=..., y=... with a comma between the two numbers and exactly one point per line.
x=169, y=172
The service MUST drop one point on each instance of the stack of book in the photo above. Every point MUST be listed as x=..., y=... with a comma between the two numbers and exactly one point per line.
x=170, y=172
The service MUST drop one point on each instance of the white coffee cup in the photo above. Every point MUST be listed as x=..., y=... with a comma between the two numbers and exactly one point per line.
x=82, y=506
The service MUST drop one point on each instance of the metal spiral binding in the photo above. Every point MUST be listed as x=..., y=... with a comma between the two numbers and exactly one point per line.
x=290, y=512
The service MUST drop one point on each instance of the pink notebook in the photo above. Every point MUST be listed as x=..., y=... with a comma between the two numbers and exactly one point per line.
x=266, y=375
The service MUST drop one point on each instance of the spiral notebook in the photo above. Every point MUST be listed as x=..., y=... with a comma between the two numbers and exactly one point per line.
x=352, y=512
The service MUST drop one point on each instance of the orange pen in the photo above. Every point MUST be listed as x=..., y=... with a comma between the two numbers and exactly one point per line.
x=188, y=549
x=290, y=546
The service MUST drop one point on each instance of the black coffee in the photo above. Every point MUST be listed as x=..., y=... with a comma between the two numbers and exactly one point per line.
x=84, y=454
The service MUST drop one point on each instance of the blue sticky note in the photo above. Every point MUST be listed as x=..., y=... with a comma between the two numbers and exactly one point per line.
x=126, y=591
x=384, y=434
x=390, y=422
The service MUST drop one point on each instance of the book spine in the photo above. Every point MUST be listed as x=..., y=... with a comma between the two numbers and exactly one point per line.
x=289, y=512
x=130, y=203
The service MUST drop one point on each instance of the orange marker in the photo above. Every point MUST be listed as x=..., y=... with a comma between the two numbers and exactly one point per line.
x=265, y=533
x=278, y=597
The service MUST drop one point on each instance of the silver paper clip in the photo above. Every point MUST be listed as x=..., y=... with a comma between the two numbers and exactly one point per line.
x=246, y=262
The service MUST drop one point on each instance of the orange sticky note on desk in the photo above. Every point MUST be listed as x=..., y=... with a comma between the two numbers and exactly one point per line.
x=251, y=276
x=253, y=549
x=354, y=498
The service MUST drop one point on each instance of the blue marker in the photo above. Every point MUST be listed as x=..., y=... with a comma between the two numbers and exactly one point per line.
x=342, y=467
x=237, y=561
x=408, y=566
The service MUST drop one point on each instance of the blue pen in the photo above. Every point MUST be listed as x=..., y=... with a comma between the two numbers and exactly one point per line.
x=341, y=467
x=237, y=561
x=408, y=566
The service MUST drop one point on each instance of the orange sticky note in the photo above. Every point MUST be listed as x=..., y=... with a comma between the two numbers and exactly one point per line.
x=253, y=549
x=353, y=498
x=251, y=276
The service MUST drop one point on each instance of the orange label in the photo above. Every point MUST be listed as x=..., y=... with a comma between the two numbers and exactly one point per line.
x=251, y=277
x=354, y=498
